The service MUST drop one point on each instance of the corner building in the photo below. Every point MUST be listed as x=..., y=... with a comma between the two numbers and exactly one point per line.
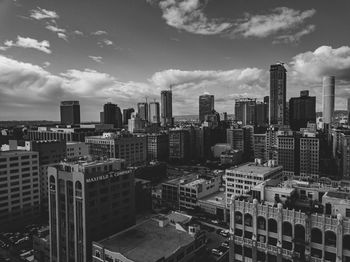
x=275, y=234
x=88, y=201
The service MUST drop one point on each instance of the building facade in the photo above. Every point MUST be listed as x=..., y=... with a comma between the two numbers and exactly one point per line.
x=76, y=150
x=157, y=147
x=166, y=101
x=245, y=111
x=206, y=106
x=142, y=110
x=70, y=112
x=328, y=99
x=112, y=115
x=179, y=145
x=154, y=117
x=302, y=110
x=127, y=115
x=278, y=82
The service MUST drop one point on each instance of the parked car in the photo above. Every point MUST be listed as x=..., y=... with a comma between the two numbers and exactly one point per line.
x=217, y=252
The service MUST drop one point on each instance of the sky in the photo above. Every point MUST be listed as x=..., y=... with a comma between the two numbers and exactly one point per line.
x=124, y=51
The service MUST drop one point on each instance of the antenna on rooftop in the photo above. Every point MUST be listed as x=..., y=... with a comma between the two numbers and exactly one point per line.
x=281, y=63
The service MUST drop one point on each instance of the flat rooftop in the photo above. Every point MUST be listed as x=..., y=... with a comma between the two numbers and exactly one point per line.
x=217, y=198
x=341, y=195
x=255, y=168
x=16, y=152
x=147, y=242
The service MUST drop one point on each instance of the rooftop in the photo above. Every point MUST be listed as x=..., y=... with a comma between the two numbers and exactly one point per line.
x=341, y=195
x=147, y=242
x=217, y=198
x=16, y=152
x=256, y=169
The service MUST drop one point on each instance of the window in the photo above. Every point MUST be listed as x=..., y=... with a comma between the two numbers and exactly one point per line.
x=347, y=212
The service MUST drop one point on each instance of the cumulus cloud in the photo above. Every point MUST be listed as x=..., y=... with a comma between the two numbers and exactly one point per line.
x=61, y=33
x=189, y=15
x=41, y=13
x=99, y=32
x=105, y=42
x=27, y=42
x=77, y=32
x=97, y=59
x=294, y=38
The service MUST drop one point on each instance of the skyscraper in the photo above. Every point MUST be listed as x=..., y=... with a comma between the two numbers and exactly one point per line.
x=127, y=115
x=112, y=115
x=166, y=108
x=328, y=99
x=206, y=106
x=154, y=113
x=245, y=110
x=302, y=110
x=70, y=112
x=142, y=109
x=278, y=80
x=348, y=111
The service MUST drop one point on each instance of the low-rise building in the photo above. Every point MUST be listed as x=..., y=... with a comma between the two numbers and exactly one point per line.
x=215, y=204
x=41, y=245
x=232, y=157
x=76, y=150
x=163, y=238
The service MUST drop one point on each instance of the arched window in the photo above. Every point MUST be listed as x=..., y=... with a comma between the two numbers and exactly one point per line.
x=287, y=228
x=272, y=225
x=346, y=242
x=330, y=238
x=316, y=235
x=248, y=220
x=261, y=223
x=238, y=217
x=299, y=232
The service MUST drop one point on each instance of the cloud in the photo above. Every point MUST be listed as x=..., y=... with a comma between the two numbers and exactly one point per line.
x=61, y=33
x=99, y=32
x=40, y=14
x=294, y=38
x=46, y=64
x=281, y=19
x=97, y=59
x=105, y=42
x=27, y=42
x=77, y=32
x=189, y=15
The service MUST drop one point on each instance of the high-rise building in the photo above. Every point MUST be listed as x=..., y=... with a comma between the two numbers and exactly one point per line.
x=50, y=153
x=127, y=115
x=288, y=152
x=179, y=147
x=142, y=109
x=309, y=156
x=262, y=113
x=206, y=106
x=328, y=99
x=302, y=110
x=166, y=101
x=245, y=111
x=112, y=115
x=278, y=82
x=157, y=146
x=259, y=146
x=345, y=156
x=87, y=202
x=135, y=123
x=154, y=113
x=132, y=148
x=19, y=188
x=70, y=112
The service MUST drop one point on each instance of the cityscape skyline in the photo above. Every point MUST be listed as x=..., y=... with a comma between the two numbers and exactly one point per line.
x=40, y=55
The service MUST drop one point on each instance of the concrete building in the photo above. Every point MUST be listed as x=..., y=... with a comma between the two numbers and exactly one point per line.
x=271, y=143
x=245, y=111
x=132, y=148
x=179, y=145
x=345, y=156
x=191, y=191
x=215, y=204
x=278, y=104
x=328, y=99
x=302, y=110
x=241, y=179
x=231, y=158
x=136, y=124
x=309, y=156
x=259, y=146
x=112, y=115
x=262, y=112
x=163, y=238
x=75, y=134
x=288, y=148
x=41, y=245
x=70, y=112
x=76, y=150
x=157, y=147
x=19, y=188
x=153, y=113
x=220, y=148
x=88, y=201
x=50, y=153
x=206, y=106
x=241, y=139
x=166, y=101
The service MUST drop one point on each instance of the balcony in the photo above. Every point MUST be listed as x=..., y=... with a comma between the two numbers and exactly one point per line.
x=272, y=248
x=238, y=240
x=248, y=242
x=315, y=259
x=261, y=245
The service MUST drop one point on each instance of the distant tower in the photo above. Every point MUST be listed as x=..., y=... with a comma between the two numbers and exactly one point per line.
x=154, y=113
x=328, y=99
x=142, y=109
x=348, y=110
x=127, y=115
x=278, y=82
x=206, y=106
x=112, y=115
x=70, y=112
x=166, y=101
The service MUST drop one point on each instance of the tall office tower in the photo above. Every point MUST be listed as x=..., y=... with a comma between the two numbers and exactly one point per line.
x=157, y=147
x=112, y=115
x=245, y=110
x=206, y=106
x=136, y=124
x=132, y=148
x=179, y=145
x=302, y=110
x=288, y=152
x=166, y=101
x=271, y=143
x=127, y=115
x=87, y=202
x=309, y=156
x=50, y=153
x=19, y=183
x=345, y=155
x=241, y=139
x=348, y=111
x=262, y=113
x=70, y=112
x=259, y=146
x=328, y=99
x=142, y=109
x=278, y=81
x=154, y=113
x=102, y=117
